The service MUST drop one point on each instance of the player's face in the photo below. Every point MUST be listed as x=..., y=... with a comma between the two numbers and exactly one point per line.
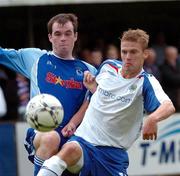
x=132, y=55
x=63, y=39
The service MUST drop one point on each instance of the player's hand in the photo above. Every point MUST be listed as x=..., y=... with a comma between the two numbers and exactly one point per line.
x=68, y=130
x=89, y=81
x=149, y=129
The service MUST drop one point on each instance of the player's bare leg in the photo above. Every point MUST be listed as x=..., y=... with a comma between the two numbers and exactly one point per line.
x=46, y=145
x=70, y=157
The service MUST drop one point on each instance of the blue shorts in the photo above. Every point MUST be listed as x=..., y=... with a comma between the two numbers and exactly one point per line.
x=28, y=143
x=102, y=160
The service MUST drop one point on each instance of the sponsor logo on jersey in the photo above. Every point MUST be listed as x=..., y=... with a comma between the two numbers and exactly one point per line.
x=111, y=95
x=71, y=83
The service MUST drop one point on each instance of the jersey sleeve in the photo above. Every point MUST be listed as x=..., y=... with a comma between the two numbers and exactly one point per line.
x=93, y=71
x=153, y=93
x=91, y=68
x=21, y=60
x=111, y=66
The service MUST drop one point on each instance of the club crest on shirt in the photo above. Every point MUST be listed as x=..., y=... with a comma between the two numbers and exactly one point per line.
x=132, y=88
x=79, y=71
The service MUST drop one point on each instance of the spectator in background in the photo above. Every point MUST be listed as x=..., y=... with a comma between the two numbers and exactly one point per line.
x=3, y=77
x=170, y=71
x=95, y=58
x=159, y=48
x=150, y=64
x=112, y=52
x=11, y=98
x=3, y=106
x=23, y=94
x=85, y=54
x=9, y=87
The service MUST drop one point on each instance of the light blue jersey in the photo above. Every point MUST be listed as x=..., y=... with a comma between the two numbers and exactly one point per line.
x=50, y=74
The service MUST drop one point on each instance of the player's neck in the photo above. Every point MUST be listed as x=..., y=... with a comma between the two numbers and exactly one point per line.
x=64, y=57
x=127, y=74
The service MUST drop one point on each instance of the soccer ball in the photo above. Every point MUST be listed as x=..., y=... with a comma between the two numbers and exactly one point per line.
x=44, y=112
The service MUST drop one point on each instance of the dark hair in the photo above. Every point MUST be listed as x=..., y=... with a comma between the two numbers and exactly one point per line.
x=62, y=19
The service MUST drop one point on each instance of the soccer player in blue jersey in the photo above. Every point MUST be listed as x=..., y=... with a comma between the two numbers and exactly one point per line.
x=57, y=73
x=113, y=121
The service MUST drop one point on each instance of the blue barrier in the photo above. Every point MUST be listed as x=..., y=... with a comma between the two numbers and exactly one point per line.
x=8, y=162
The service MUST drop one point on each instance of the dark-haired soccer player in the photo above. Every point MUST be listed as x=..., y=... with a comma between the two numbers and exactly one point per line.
x=58, y=73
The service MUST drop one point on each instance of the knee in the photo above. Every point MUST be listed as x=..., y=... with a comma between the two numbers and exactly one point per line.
x=72, y=149
x=50, y=141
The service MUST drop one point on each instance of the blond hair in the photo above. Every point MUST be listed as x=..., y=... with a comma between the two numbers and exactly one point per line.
x=136, y=35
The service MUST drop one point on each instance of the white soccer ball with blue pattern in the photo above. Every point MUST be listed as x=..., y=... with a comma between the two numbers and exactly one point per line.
x=44, y=112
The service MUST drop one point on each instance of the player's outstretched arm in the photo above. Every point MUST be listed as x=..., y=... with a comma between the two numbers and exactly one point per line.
x=165, y=110
x=70, y=128
x=89, y=81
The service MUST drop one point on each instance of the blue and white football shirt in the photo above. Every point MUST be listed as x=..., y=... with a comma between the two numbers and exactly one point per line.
x=115, y=113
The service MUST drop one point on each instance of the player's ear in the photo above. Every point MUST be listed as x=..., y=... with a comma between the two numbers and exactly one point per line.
x=76, y=36
x=146, y=52
x=50, y=37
